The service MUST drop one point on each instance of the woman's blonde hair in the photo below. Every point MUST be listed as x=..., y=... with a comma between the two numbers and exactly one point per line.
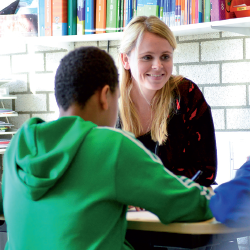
x=162, y=102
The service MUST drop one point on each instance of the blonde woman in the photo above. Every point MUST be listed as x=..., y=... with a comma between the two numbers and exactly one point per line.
x=167, y=113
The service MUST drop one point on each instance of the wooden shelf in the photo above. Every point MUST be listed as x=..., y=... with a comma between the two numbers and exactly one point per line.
x=238, y=25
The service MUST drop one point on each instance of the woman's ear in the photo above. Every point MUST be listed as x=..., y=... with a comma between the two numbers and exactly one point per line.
x=104, y=95
x=125, y=62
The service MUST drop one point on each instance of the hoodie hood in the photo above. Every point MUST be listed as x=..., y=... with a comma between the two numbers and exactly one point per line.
x=41, y=152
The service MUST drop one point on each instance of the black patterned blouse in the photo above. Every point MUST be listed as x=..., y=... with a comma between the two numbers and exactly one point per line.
x=191, y=144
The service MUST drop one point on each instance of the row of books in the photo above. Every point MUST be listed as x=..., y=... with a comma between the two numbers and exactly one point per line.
x=78, y=17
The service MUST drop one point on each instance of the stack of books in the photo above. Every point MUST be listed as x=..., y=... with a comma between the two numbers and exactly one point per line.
x=4, y=143
x=5, y=126
x=4, y=111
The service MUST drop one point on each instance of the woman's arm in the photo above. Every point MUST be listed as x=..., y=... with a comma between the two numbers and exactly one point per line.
x=191, y=144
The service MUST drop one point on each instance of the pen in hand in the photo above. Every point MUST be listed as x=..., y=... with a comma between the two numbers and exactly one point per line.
x=197, y=175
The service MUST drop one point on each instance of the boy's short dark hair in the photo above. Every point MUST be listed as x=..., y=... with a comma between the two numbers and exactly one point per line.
x=81, y=73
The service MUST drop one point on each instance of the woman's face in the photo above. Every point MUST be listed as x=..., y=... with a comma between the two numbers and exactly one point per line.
x=152, y=64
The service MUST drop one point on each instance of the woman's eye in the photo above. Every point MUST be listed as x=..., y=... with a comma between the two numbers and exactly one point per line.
x=165, y=57
x=146, y=57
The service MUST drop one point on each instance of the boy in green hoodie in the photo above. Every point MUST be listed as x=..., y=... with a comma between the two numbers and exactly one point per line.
x=67, y=183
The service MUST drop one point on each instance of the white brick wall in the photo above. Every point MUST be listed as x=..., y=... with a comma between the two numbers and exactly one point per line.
x=226, y=96
x=222, y=50
x=24, y=63
x=217, y=62
x=31, y=102
x=238, y=118
x=44, y=82
x=201, y=74
x=5, y=66
x=187, y=53
x=236, y=72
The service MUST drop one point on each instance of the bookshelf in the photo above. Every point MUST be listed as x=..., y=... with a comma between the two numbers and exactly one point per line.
x=237, y=25
x=9, y=132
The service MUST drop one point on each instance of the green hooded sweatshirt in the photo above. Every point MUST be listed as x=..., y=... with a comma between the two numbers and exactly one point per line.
x=67, y=184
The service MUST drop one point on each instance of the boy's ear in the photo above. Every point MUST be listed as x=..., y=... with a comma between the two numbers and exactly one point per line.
x=104, y=94
x=125, y=62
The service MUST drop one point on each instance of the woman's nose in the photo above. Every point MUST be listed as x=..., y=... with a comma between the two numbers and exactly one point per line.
x=157, y=64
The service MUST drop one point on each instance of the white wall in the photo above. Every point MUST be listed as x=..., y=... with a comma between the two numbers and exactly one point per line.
x=218, y=62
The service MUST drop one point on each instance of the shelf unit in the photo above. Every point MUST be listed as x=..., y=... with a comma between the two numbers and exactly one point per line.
x=10, y=131
x=236, y=25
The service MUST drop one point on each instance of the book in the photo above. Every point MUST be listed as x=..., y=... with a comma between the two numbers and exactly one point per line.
x=19, y=25
x=200, y=11
x=10, y=9
x=207, y=9
x=90, y=17
x=218, y=10
x=161, y=10
x=48, y=18
x=167, y=12
x=72, y=17
x=41, y=18
x=129, y=11
x=100, y=16
x=178, y=13
x=121, y=16
x=80, y=17
x=118, y=14
x=196, y=11
x=172, y=13
x=151, y=8
x=59, y=18
x=134, y=8
x=140, y=8
x=186, y=12
x=193, y=11
x=182, y=11
x=112, y=16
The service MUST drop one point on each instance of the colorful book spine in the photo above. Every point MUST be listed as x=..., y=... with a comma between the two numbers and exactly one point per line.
x=140, y=8
x=186, y=13
x=72, y=17
x=121, y=16
x=59, y=18
x=134, y=8
x=41, y=18
x=218, y=10
x=168, y=12
x=48, y=18
x=193, y=11
x=80, y=17
x=151, y=8
x=124, y=13
x=111, y=20
x=100, y=16
x=118, y=13
x=207, y=9
x=90, y=17
x=161, y=10
x=182, y=11
x=129, y=11
x=200, y=10
x=178, y=13
x=196, y=11
x=172, y=13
